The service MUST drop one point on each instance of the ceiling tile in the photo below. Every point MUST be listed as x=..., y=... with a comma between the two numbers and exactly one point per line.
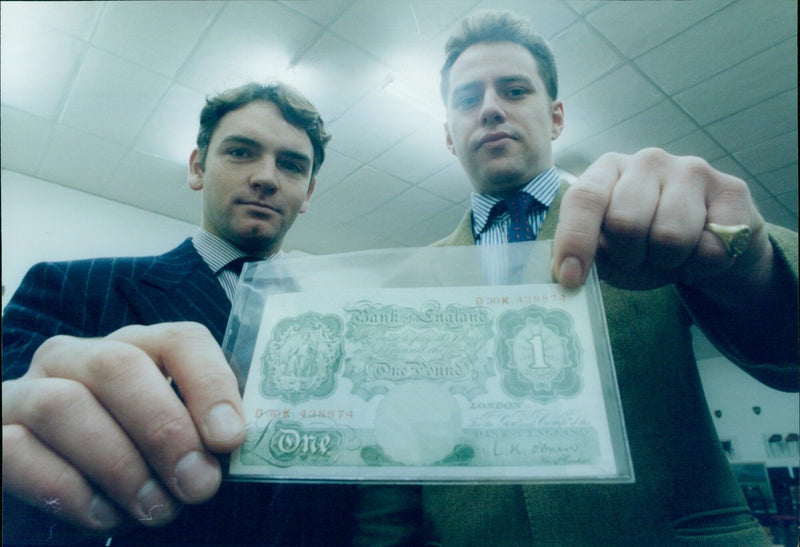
x=432, y=229
x=757, y=191
x=405, y=211
x=721, y=41
x=159, y=37
x=357, y=195
x=636, y=27
x=335, y=168
x=549, y=17
x=37, y=65
x=171, y=130
x=311, y=235
x=584, y=6
x=771, y=154
x=696, y=143
x=249, y=41
x=25, y=138
x=758, y=123
x=73, y=18
x=104, y=83
x=617, y=96
x=777, y=65
x=361, y=131
x=334, y=74
x=780, y=180
x=582, y=57
x=775, y=212
x=79, y=160
x=656, y=126
x=141, y=180
x=450, y=183
x=413, y=23
x=789, y=200
x=729, y=165
x=323, y=13
x=418, y=156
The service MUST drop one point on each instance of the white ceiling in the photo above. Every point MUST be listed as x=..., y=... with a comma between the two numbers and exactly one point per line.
x=104, y=97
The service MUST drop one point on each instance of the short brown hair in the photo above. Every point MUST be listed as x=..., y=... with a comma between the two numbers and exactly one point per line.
x=500, y=26
x=296, y=109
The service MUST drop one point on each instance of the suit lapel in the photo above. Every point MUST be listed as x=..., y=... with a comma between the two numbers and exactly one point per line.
x=178, y=286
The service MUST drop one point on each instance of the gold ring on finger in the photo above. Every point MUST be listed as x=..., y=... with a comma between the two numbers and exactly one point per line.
x=735, y=237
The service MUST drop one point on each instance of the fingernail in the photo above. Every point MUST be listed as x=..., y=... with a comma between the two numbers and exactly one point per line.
x=223, y=423
x=103, y=514
x=154, y=503
x=570, y=274
x=197, y=476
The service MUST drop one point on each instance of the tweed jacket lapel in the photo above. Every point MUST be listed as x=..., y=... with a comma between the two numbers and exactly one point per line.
x=178, y=286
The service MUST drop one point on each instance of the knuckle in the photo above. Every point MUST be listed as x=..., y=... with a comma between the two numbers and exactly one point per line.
x=587, y=196
x=53, y=346
x=653, y=157
x=211, y=380
x=697, y=170
x=53, y=401
x=104, y=366
x=187, y=329
x=168, y=429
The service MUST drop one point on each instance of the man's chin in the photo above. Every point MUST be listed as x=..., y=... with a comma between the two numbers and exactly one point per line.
x=502, y=181
x=259, y=239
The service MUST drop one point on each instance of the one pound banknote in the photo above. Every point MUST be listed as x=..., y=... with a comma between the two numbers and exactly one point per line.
x=461, y=384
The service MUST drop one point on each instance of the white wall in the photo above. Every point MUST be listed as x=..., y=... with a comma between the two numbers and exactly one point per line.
x=734, y=393
x=45, y=221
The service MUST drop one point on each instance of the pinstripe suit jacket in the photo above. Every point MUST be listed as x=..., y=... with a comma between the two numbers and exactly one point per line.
x=90, y=298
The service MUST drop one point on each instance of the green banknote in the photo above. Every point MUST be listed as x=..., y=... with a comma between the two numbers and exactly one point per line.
x=482, y=383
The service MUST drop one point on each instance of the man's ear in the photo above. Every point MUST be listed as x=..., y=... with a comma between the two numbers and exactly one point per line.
x=450, y=145
x=311, y=186
x=558, y=120
x=195, y=171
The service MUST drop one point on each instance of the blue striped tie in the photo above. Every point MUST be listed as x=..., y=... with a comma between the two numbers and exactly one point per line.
x=519, y=207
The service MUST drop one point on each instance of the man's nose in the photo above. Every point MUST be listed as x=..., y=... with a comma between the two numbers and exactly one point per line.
x=492, y=111
x=265, y=175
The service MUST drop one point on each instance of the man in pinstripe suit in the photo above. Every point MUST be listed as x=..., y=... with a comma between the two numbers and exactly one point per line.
x=93, y=432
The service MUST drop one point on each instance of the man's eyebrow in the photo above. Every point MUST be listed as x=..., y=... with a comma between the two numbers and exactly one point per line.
x=513, y=79
x=240, y=139
x=296, y=156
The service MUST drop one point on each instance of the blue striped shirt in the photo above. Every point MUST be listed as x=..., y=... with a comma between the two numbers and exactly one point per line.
x=218, y=253
x=489, y=229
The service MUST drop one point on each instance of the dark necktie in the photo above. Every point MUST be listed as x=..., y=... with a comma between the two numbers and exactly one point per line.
x=237, y=264
x=519, y=207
